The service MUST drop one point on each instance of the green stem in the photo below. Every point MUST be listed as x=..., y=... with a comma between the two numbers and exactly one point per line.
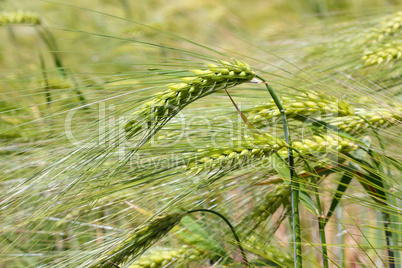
x=231, y=228
x=45, y=79
x=51, y=44
x=339, y=216
x=294, y=184
x=389, y=219
x=321, y=219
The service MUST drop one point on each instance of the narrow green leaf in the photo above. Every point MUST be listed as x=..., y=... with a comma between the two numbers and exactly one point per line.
x=342, y=187
x=306, y=200
x=281, y=167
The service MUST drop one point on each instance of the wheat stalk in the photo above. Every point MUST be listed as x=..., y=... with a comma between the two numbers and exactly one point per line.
x=166, y=104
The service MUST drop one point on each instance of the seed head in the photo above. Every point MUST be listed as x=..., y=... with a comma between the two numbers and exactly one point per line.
x=161, y=258
x=304, y=105
x=166, y=104
x=383, y=54
x=375, y=118
x=139, y=240
x=252, y=148
x=19, y=17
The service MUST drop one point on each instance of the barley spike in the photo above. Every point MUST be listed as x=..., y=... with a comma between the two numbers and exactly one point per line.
x=19, y=17
x=139, y=240
x=166, y=104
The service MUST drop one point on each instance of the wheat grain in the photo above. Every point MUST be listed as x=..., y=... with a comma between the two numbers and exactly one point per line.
x=204, y=82
x=324, y=143
x=139, y=240
x=375, y=118
x=19, y=17
x=387, y=27
x=383, y=54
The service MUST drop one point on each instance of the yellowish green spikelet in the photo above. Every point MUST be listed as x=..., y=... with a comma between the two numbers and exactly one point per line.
x=139, y=240
x=375, y=118
x=388, y=27
x=324, y=143
x=383, y=54
x=254, y=148
x=161, y=258
x=204, y=82
x=303, y=105
x=258, y=147
x=19, y=17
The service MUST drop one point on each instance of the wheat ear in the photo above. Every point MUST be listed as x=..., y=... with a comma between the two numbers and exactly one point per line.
x=324, y=143
x=162, y=258
x=139, y=240
x=254, y=148
x=302, y=106
x=19, y=17
x=383, y=54
x=387, y=27
x=365, y=118
x=165, y=105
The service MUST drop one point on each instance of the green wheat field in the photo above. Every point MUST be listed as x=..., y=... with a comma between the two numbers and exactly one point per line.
x=200, y=133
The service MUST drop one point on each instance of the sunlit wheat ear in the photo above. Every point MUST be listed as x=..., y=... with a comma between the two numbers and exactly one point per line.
x=162, y=258
x=303, y=105
x=366, y=119
x=324, y=143
x=254, y=148
x=383, y=54
x=19, y=17
x=139, y=240
x=388, y=27
x=166, y=104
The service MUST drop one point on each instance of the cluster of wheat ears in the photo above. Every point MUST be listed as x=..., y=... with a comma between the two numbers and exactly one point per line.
x=299, y=149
